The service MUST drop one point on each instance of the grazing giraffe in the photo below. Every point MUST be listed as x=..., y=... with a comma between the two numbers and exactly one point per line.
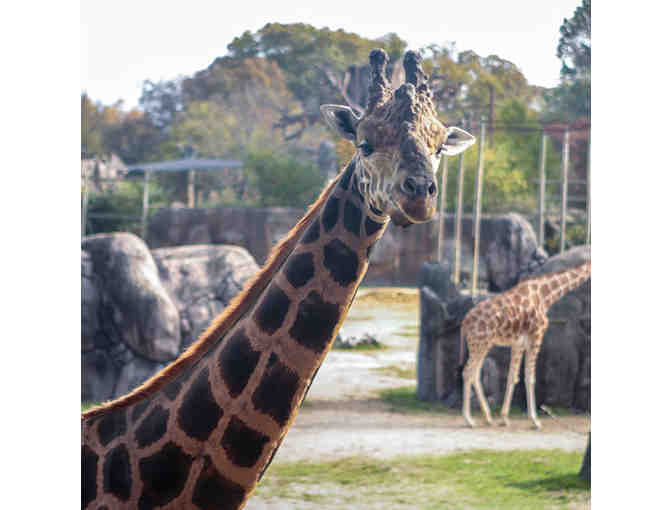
x=516, y=318
x=200, y=433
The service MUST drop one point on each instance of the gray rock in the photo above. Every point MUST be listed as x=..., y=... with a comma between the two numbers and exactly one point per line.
x=99, y=375
x=353, y=342
x=90, y=300
x=511, y=249
x=562, y=261
x=138, y=310
x=134, y=373
x=202, y=280
x=173, y=226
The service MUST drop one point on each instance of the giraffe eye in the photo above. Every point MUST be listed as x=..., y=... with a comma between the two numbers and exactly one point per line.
x=367, y=148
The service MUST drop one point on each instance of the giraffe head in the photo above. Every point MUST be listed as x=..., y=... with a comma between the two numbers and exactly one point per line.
x=399, y=140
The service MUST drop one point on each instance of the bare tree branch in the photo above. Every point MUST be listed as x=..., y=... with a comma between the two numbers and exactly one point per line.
x=304, y=120
x=342, y=86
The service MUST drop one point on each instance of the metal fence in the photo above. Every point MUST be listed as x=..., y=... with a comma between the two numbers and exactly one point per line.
x=542, y=196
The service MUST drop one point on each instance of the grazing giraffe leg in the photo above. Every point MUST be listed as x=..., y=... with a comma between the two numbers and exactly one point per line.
x=481, y=395
x=531, y=355
x=512, y=380
x=472, y=375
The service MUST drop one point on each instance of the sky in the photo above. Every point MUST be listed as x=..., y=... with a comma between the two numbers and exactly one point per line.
x=125, y=42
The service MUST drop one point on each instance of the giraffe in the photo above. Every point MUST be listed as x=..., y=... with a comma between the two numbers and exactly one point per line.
x=516, y=318
x=201, y=432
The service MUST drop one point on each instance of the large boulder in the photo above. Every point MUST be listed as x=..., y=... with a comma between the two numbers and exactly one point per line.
x=203, y=279
x=127, y=318
x=135, y=305
x=563, y=366
x=141, y=308
x=510, y=250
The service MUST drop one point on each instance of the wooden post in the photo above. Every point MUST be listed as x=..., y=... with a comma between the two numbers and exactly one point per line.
x=542, y=187
x=442, y=206
x=85, y=198
x=477, y=208
x=588, y=196
x=145, y=205
x=458, y=221
x=565, y=174
x=191, y=196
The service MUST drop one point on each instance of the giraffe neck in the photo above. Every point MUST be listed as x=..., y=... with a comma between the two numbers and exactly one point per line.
x=554, y=286
x=205, y=437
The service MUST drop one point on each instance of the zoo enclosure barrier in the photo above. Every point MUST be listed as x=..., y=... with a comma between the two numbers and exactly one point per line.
x=542, y=184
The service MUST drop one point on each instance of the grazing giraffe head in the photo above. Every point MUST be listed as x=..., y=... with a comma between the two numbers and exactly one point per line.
x=400, y=141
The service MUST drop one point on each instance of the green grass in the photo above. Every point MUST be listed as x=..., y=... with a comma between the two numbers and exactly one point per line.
x=409, y=331
x=354, y=318
x=479, y=479
x=403, y=400
x=397, y=371
x=88, y=405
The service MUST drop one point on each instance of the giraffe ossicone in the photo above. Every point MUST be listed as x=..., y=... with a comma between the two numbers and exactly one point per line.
x=201, y=432
x=518, y=319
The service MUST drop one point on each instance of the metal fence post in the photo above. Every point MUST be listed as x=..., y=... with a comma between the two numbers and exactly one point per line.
x=542, y=187
x=85, y=197
x=442, y=206
x=588, y=195
x=458, y=221
x=565, y=174
x=145, y=205
x=477, y=208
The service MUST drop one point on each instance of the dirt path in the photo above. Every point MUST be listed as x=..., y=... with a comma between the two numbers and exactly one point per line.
x=329, y=430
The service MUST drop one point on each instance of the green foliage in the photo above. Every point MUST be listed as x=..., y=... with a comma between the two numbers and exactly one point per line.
x=569, y=101
x=283, y=180
x=161, y=101
x=302, y=52
x=520, y=480
x=510, y=166
x=120, y=210
x=106, y=129
x=574, y=45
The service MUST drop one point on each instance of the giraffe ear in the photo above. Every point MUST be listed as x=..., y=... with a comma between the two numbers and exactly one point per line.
x=457, y=140
x=342, y=119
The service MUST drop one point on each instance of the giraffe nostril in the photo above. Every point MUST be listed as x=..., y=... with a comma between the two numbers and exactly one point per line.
x=408, y=186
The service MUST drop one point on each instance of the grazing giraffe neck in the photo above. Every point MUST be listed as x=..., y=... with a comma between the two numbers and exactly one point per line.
x=518, y=319
x=204, y=436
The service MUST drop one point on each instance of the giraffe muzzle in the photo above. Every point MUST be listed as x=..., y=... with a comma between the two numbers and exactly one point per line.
x=415, y=197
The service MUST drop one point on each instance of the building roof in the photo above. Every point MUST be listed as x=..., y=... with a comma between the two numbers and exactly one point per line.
x=182, y=165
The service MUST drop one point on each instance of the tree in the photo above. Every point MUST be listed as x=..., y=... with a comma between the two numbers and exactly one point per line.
x=511, y=164
x=161, y=101
x=282, y=180
x=574, y=46
x=308, y=56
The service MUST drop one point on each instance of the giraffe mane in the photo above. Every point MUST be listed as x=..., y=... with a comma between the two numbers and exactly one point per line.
x=227, y=319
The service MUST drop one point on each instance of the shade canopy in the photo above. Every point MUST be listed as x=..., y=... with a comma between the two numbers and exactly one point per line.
x=184, y=165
